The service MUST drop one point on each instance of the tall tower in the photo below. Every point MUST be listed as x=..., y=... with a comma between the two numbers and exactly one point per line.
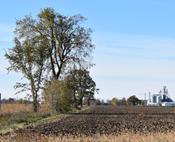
x=165, y=92
x=150, y=97
x=160, y=93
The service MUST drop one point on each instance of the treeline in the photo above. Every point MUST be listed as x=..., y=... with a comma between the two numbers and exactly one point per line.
x=13, y=100
x=130, y=101
x=53, y=53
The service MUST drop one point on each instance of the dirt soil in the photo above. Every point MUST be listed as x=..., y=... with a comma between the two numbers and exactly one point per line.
x=111, y=120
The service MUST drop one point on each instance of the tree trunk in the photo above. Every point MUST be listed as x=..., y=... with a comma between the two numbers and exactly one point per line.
x=35, y=97
x=88, y=101
x=74, y=100
x=81, y=102
x=35, y=103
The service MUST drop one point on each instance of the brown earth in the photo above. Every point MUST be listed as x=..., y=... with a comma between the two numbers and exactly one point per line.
x=111, y=120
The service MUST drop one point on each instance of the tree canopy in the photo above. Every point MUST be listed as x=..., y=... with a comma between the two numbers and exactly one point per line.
x=67, y=41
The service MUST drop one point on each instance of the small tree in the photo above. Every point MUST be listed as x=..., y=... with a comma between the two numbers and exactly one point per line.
x=123, y=101
x=114, y=101
x=82, y=85
x=133, y=100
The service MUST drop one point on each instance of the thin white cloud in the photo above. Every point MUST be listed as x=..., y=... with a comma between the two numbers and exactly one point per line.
x=136, y=46
x=133, y=64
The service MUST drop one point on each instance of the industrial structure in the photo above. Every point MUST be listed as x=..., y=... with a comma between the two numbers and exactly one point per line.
x=160, y=99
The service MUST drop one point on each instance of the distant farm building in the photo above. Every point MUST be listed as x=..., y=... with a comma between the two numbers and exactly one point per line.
x=160, y=99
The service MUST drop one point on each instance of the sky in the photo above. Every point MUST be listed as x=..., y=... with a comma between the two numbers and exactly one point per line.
x=134, y=40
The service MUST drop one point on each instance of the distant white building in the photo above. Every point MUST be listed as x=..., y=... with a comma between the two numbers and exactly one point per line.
x=154, y=100
x=160, y=99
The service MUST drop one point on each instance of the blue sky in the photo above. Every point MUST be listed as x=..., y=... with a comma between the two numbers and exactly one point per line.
x=134, y=39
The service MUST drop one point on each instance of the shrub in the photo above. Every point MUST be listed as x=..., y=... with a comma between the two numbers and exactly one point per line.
x=114, y=101
x=58, y=96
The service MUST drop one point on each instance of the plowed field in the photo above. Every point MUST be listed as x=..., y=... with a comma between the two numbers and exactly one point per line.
x=112, y=120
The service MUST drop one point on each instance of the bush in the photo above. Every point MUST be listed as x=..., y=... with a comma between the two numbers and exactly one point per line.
x=133, y=100
x=58, y=96
x=114, y=101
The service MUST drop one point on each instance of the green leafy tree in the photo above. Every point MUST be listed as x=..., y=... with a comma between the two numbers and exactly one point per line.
x=133, y=100
x=83, y=86
x=28, y=58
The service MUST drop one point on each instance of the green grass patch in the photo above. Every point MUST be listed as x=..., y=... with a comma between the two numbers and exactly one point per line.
x=12, y=121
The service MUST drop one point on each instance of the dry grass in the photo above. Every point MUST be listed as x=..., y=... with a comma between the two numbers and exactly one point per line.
x=128, y=137
x=15, y=107
x=19, y=107
x=18, y=115
x=159, y=137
